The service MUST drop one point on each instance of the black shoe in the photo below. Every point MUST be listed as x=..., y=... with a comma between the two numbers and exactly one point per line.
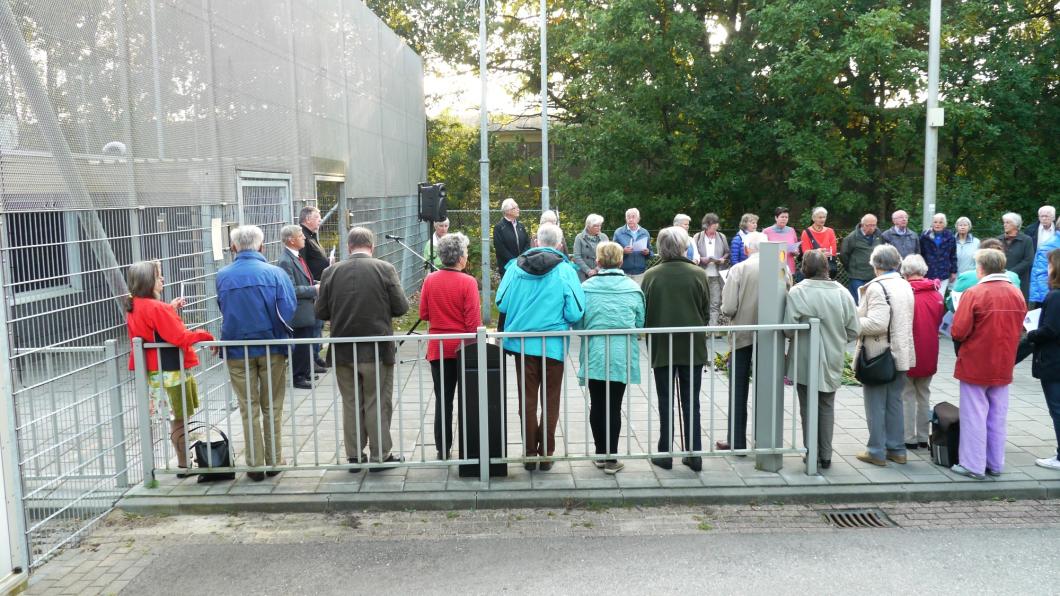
x=256, y=476
x=186, y=473
x=544, y=466
x=389, y=459
x=355, y=469
x=272, y=473
x=824, y=464
x=910, y=446
x=694, y=462
x=302, y=384
x=922, y=444
x=321, y=365
x=530, y=466
x=665, y=463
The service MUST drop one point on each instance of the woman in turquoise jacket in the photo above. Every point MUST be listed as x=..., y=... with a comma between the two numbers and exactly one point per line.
x=609, y=362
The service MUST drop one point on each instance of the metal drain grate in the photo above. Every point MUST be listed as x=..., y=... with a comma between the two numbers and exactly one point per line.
x=858, y=518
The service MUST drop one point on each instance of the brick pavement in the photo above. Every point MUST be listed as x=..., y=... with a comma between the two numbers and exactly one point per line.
x=124, y=545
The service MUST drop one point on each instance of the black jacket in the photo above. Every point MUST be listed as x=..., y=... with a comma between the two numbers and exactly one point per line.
x=1019, y=255
x=509, y=243
x=1046, y=340
x=314, y=254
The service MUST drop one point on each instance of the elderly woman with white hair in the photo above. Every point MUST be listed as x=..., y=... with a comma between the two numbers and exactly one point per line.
x=1019, y=249
x=967, y=244
x=449, y=302
x=441, y=228
x=585, y=244
x=939, y=249
x=636, y=245
x=684, y=221
x=927, y=316
x=549, y=216
x=510, y=238
x=822, y=238
x=885, y=313
x=676, y=295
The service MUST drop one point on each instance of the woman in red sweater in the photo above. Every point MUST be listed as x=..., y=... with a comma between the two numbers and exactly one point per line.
x=449, y=301
x=927, y=316
x=152, y=320
x=820, y=237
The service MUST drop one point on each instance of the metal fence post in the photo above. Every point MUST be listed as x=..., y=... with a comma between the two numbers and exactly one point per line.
x=143, y=413
x=769, y=369
x=811, y=397
x=117, y=414
x=483, y=408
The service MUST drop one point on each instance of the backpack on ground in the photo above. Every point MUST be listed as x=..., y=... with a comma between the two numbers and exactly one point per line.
x=945, y=436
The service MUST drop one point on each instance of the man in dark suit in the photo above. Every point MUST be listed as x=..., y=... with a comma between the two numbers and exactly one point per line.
x=510, y=238
x=317, y=260
x=360, y=296
x=305, y=290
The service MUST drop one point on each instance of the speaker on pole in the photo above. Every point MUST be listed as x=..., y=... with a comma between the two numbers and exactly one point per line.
x=432, y=199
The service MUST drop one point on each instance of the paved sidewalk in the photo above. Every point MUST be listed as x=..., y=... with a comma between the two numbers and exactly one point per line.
x=140, y=554
x=318, y=438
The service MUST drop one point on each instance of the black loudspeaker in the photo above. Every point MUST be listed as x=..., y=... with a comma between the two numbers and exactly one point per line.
x=432, y=202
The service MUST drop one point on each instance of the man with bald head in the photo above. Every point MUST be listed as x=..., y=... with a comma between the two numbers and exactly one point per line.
x=855, y=250
x=901, y=237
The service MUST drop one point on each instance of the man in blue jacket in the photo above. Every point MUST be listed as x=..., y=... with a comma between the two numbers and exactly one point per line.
x=540, y=292
x=636, y=245
x=257, y=302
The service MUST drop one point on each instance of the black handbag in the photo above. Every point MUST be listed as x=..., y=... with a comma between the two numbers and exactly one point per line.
x=833, y=269
x=213, y=454
x=880, y=369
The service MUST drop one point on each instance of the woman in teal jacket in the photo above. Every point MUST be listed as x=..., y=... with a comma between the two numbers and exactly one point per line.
x=609, y=362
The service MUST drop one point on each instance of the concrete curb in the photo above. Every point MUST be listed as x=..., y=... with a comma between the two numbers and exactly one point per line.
x=485, y=499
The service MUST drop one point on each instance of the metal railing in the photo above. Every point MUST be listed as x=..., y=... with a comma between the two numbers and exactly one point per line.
x=311, y=429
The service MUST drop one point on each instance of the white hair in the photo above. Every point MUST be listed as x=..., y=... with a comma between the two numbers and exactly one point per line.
x=549, y=235
x=942, y=215
x=752, y=240
x=817, y=210
x=247, y=238
x=914, y=265
x=507, y=205
x=593, y=219
x=288, y=232
x=633, y=211
x=673, y=242
x=964, y=220
x=681, y=218
x=1047, y=209
x=1014, y=218
x=549, y=216
x=439, y=224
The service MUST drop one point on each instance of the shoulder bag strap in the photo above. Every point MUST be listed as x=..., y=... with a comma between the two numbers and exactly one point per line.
x=890, y=314
x=813, y=240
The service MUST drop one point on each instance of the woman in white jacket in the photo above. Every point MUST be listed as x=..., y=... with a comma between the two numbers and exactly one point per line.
x=885, y=313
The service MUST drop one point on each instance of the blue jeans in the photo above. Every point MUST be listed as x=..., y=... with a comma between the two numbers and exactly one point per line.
x=1052, y=401
x=853, y=285
x=687, y=393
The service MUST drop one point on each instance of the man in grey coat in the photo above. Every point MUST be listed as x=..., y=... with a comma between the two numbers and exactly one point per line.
x=901, y=237
x=304, y=323
x=360, y=296
x=854, y=253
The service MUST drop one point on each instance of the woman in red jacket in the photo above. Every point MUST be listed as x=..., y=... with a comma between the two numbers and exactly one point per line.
x=449, y=301
x=927, y=316
x=152, y=320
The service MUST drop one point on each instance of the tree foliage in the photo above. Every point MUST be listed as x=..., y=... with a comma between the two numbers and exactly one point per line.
x=741, y=105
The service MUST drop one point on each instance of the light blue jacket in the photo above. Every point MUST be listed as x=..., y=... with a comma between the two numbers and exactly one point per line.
x=612, y=301
x=1040, y=270
x=966, y=253
x=540, y=292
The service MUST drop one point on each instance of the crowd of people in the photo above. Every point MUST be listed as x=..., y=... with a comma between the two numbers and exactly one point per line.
x=892, y=306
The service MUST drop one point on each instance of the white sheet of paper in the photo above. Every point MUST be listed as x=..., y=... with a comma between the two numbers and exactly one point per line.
x=217, y=239
x=331, y=257
x=182, y=294
x=639, y=245
x=724, y=273
x=1030, y=323
x=955, y=297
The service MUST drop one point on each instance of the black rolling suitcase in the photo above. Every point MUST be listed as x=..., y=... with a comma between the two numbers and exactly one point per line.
x=945, y=433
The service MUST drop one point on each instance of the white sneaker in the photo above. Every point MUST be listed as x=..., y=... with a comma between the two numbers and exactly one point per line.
x=612, y=467
x=599, y=463
x=1052, y=463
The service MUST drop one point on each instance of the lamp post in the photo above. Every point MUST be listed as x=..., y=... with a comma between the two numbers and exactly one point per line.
x=934, y=113
x=484, y=167
x=544, y=106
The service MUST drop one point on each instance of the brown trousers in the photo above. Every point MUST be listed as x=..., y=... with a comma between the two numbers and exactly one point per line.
x=539, y=434
x=259, y=386
x=366, y=413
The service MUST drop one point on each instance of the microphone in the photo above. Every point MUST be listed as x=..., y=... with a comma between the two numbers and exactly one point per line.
x=391, y=237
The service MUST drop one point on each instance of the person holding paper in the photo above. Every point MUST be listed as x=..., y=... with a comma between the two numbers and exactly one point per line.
x=821, y=237
x=318, y=261
x=1045, y=339
x=636, y=245
x=781, y=232
x=305, y=290
x=713, y=249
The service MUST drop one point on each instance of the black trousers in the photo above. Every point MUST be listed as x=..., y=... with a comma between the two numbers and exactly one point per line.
x=300, y=354
x=605, y=414
x=741, y=381
x=688, y=394
x=443, y=402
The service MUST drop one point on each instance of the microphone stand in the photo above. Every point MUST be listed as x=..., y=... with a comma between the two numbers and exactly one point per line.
x=427, y=265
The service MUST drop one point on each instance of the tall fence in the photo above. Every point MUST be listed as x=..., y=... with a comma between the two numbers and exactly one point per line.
x=660, y=417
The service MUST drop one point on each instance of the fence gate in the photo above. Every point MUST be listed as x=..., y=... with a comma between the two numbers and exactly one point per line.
x=265, y=201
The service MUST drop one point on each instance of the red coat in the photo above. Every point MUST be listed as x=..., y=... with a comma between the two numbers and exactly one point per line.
x=988, y=323
x=449, y=301
x=149, y=316
x=927, y=316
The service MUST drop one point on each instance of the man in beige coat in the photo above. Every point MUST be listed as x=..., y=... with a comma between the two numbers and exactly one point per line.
x=885, y=313
x=360, y=296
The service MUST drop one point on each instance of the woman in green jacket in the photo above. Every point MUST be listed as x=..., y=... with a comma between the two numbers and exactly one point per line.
x=609, y=362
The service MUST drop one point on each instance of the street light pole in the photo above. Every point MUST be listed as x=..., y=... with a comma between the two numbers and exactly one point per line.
x=934, y=117
x=544, y=106
x=484, y=167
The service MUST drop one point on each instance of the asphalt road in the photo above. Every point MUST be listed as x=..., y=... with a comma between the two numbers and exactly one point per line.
x=884, y=561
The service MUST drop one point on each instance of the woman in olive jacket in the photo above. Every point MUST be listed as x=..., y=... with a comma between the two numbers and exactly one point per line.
x=1046, y=364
